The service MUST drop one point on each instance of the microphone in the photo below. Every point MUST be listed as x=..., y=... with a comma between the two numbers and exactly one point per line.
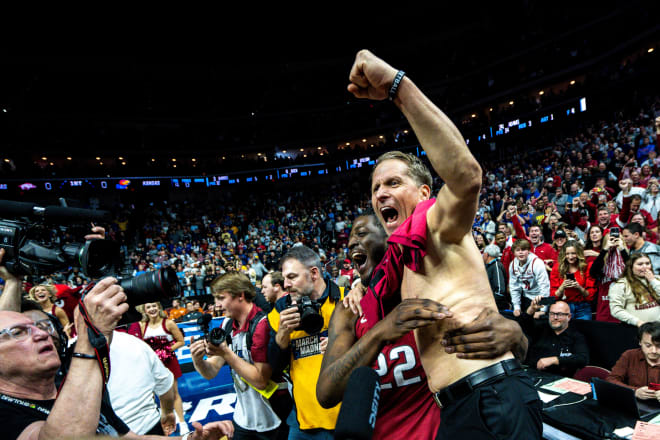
x=359, y=408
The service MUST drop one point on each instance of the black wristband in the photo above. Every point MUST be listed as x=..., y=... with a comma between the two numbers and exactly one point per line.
x=83, y=355
x=395, y=84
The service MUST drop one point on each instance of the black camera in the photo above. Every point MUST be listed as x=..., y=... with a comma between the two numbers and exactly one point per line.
x=31, y=249
x=214, y=336
x=614, y=232
x=311, y=320
x=149, y=287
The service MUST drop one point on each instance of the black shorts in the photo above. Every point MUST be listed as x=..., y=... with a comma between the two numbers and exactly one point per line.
x=507, y=408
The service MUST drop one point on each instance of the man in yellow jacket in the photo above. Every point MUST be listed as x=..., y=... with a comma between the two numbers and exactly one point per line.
x=297, y=344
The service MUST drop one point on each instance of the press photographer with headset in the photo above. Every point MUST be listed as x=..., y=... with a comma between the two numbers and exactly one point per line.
x=243, y=345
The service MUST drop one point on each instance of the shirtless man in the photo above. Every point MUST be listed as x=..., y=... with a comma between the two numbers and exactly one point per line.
x=406, y=408
x=442, y=261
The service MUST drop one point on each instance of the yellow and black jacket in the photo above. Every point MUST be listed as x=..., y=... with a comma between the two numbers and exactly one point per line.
x=303, y=357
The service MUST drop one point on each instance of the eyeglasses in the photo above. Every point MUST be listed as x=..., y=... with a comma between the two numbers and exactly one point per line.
x=558, y=315
x=21, y=332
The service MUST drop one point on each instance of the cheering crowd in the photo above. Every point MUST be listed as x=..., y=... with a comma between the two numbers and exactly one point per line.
x=551, y=235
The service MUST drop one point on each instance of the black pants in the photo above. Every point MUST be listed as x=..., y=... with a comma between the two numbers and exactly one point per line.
x=246, y=434
x=508, y=408
x=282, y=403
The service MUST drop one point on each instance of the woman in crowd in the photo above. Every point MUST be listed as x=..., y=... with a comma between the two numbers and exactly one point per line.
x=46, y=296
x=593, y=242
x=570, y=280
x=480, y=240
x=165, y=337
x=634, y=297
x=607, y=268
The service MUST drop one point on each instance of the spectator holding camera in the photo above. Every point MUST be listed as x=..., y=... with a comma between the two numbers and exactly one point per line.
x=634, y=298
x=607, y=268
x=570, y=280
x=246, y=353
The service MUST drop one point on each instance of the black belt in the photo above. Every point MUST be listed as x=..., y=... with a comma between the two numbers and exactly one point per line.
x=465, y=386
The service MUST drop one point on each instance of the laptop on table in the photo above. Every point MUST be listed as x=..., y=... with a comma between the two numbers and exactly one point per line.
x=623, y=400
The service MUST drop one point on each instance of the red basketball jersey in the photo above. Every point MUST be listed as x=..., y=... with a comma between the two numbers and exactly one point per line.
x=406, y=409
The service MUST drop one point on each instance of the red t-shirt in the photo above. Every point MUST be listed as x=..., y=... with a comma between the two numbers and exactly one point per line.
x=573, y=295
x=260, y=337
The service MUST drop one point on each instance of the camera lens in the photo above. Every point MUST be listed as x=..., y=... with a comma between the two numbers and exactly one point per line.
x=217, y=336
x=96, y=258
x=151, y=287
x=310, y=320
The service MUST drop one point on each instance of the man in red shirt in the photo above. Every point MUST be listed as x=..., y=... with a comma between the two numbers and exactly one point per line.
x=639, y=367
x=543, y=250
x=348, y=271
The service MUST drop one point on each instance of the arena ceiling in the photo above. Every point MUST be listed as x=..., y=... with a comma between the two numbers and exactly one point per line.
x=260, y=85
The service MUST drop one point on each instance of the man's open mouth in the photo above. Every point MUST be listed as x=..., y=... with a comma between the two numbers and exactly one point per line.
x=46, y=349
x=359, y=259
x=389, y=214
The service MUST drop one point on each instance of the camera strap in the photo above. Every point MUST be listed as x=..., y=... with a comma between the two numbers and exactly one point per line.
x=96, y=338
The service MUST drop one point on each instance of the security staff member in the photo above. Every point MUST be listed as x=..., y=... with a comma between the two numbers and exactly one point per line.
x=300, y=351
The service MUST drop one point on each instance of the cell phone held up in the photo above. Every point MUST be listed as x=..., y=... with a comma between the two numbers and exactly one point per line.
x=570, y=276
x=654, y=386
x=615, y=232
x=548, y=301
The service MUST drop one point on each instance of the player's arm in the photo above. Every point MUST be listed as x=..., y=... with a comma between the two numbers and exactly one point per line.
x=490, y=335
x=453, y=214
x=409, y=315
x=337, y=366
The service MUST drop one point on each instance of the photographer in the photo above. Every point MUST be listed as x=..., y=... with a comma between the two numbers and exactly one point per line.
x=301, y=350
x=245, y=351
x=31, y=406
